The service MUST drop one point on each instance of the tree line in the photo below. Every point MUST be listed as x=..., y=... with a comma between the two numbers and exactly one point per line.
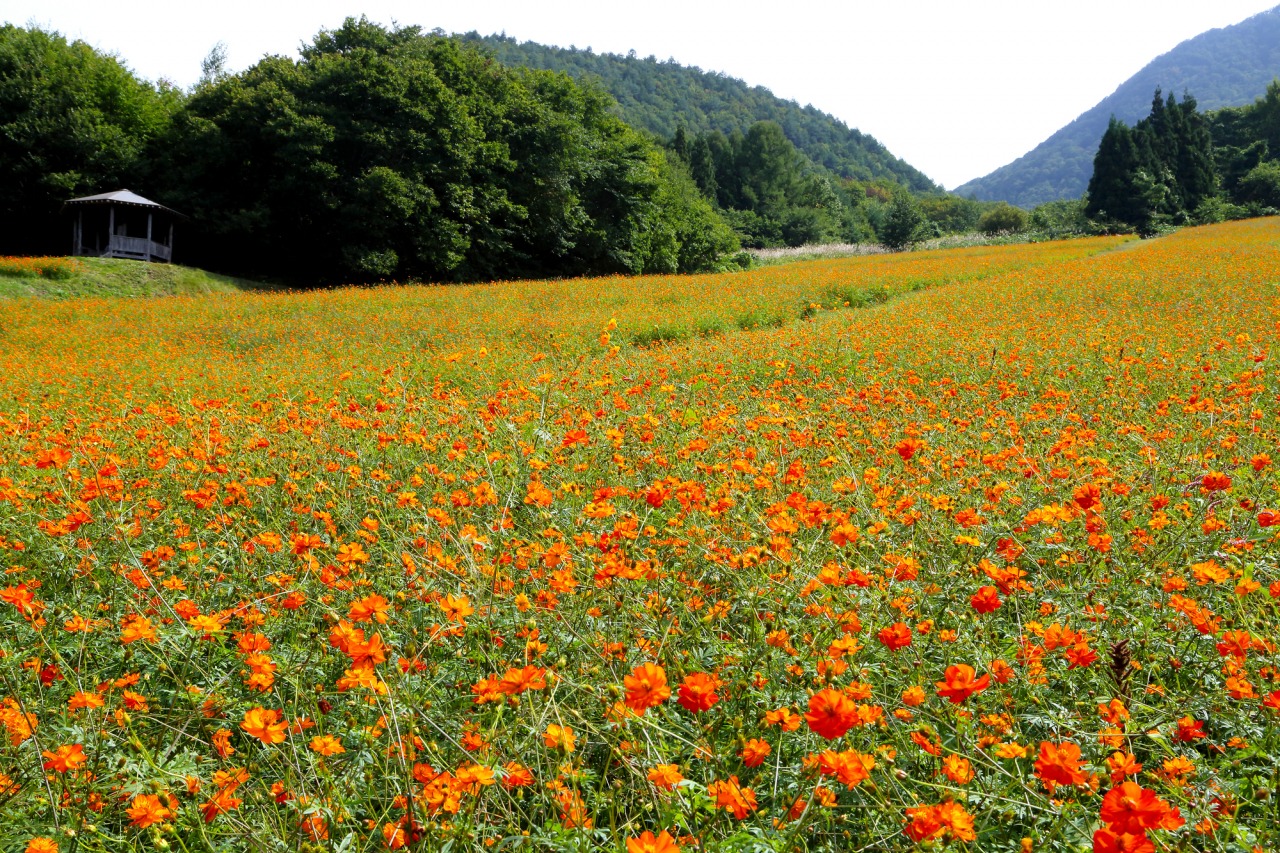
x=379, y=153
x=1179, y=166
x=390, y=153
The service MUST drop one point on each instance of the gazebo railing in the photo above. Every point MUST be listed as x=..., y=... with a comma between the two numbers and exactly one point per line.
x=136, y=247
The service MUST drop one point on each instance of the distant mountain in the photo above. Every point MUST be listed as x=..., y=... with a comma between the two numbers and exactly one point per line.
x=659, y=96
x=1228, y=67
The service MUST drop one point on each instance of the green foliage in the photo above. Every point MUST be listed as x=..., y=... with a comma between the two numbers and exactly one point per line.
x=1225, y=68
x=1261, y=186
x=903, y=224
x=1062, y=218
x=661, y=97
x=72, y=121
x=1158, y=173
x=393, y=154
x=1004, y=217
x=767, y=191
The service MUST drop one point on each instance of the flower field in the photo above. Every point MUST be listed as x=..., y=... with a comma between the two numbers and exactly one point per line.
x=973, y=549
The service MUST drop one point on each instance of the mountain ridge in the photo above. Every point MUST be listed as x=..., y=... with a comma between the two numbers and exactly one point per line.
x=658, y=96
x=1060, y=166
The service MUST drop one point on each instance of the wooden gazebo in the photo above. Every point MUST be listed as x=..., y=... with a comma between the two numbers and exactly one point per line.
x=122, y=224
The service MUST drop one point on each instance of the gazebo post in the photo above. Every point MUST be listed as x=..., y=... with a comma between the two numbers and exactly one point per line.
x=148, y=235
x=111, y=225
x=79, y=232
x=171, y=240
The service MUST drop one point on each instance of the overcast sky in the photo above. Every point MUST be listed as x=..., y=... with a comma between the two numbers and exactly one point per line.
x=957, y=89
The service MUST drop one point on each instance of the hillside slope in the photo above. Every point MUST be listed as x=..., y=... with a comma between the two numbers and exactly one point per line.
x=659, y=96
x=1222, y=68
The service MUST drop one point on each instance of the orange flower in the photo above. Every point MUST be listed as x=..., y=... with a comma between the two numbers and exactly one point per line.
x=516, y=775
x=665, y=776
x=559, y=737
x=831, y=713
x=265, y=725
x=647, y=843
x=84, y=700
x=732, y=797
x=517, y=681
x=146, y=810
x=42, y=844
x=222, y=743
x=65, y=758
x=849, y=766
x=960, y=683
x=698, y=692
x=958, y=769
x=456, y=608
x=896, y=636
x=646, y=687
x=784, y=718
x=326, y=745
x=1059, y=764
x=1130, y=808
x=985, y=600
x=1189, y=729
x=1215, y=481
x=947, y=819
x=137, y=628
x=754, y=752
x=370, y=608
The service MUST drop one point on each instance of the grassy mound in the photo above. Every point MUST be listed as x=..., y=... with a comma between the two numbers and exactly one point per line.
x=115, y=277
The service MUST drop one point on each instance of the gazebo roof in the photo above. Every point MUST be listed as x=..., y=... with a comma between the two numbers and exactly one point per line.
x=126, y=197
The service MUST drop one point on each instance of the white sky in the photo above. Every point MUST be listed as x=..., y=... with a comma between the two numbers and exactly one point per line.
x=957, y=89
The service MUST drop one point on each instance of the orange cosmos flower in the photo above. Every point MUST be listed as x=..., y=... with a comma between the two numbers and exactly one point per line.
x=646, y=687
x=647, y=843
x=698, y=692
x=985, y=600
x=516, y=775
x=137, y=628
x=1106, y=841
x=960, y=683
x=665, y=776
x=517, y=681
x=146, y=810
x=784, y=718
x=559, y=737
x=896, y=636
x=831, y=713
x=456, y=608
x=1215, y=481
x=1059, y=764
x=84, y=700
x=265, y=725
x=754, y=752
x=65, y=759
x=326, y=745
x=732, y=797
x=1189, y=729
x=42, y=844
x=947, y=819
x=370, y=608
x=907, y=448
x=850, y=767
x=957, y=769
x=222, y=743
x=1130, y=808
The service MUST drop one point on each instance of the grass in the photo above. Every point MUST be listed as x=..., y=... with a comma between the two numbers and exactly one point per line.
x=113, y=277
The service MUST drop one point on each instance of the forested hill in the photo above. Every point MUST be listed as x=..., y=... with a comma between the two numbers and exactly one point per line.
x=659, y=96
x=1221, y=68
